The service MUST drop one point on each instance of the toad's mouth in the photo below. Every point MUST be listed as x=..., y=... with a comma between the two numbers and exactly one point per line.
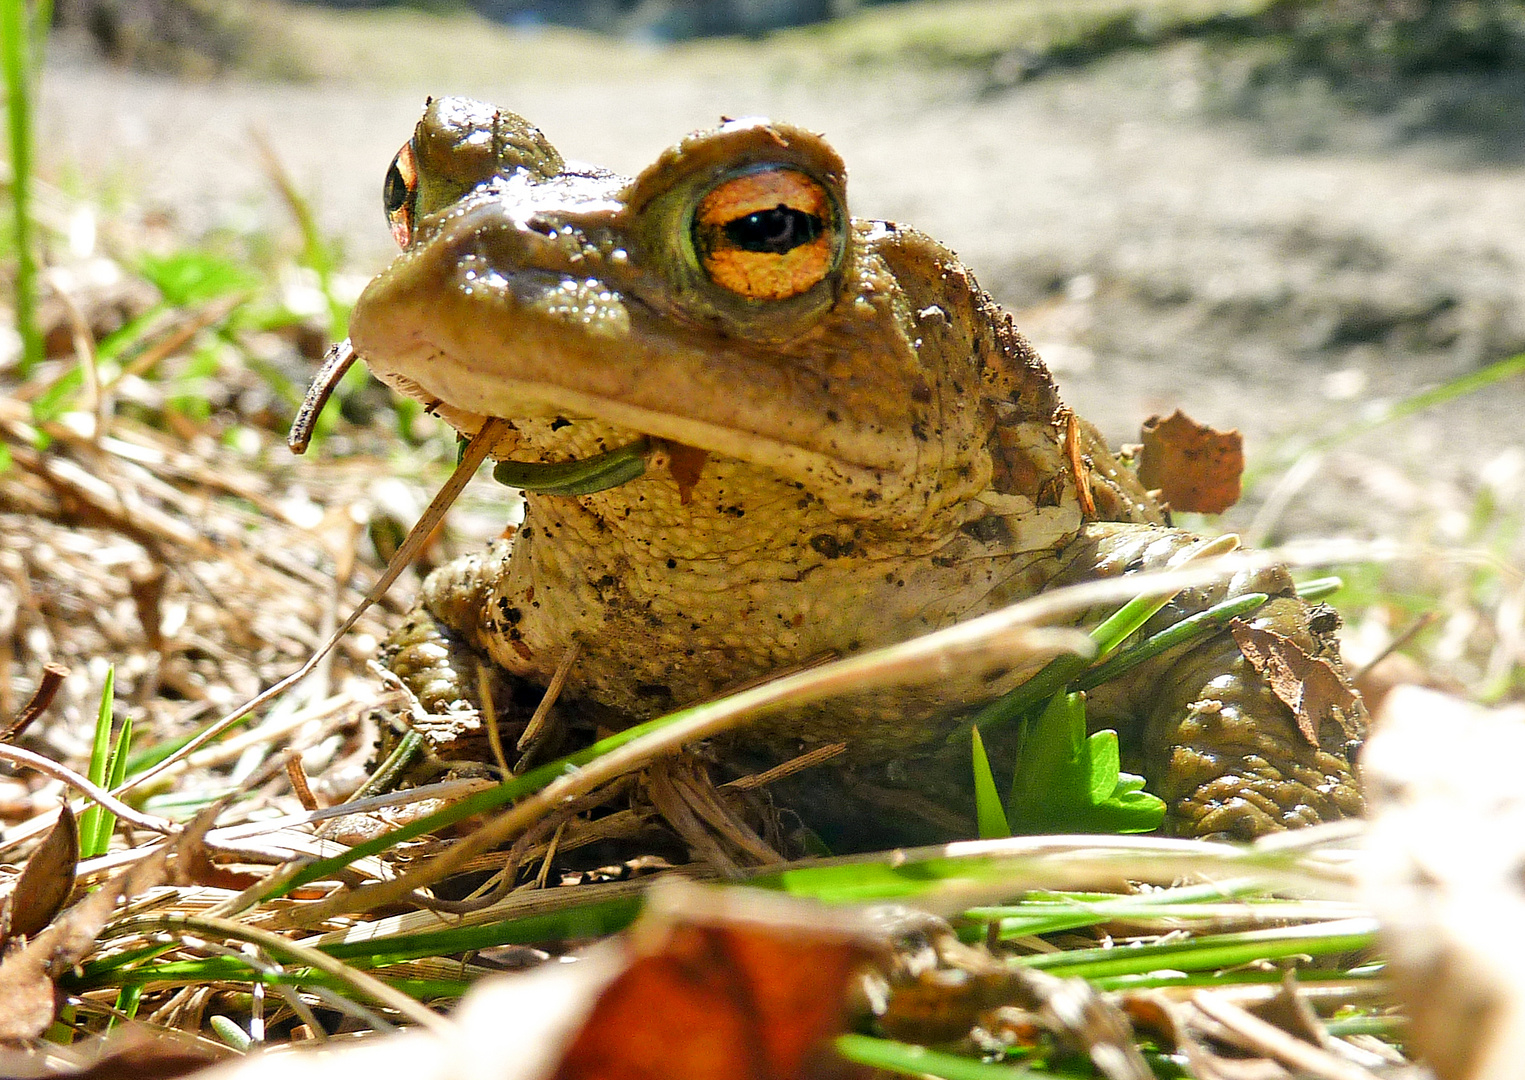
x=579, y=476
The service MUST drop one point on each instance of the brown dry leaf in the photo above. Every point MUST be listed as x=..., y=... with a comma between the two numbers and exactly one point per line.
x=720, y=993
x=1195, y=468
x=45, y=881
x=26, y=976
x=1308, y=685
x=686, y=465
x=1445, y=875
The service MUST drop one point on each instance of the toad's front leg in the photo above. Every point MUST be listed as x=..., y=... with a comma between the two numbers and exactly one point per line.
x=1208, y=730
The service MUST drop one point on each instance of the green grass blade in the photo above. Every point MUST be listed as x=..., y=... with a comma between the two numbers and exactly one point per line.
x=127, y=1000
x=17, y=59
x=1319, y=588
x=480, y=803
x=912, y=1060
x=1187, y=630
x=230, y=1033
x=1461, y=386
x=116, y=772
x=988, y=811
x=92, y=821
x=1209, y=953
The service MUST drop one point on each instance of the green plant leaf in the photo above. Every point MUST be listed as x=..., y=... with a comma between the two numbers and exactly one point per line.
x=988, y=811
x=192, y=277
x=92, y=823
x=1068, y=782
x=1105, y=765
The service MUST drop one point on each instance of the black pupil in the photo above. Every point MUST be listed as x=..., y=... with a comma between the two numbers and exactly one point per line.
x=774, y=231
x=394, y=191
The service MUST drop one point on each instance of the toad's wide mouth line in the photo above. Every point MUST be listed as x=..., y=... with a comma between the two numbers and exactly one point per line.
x=581, y=476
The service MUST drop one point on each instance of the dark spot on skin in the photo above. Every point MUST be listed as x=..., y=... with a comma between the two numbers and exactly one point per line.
x=921, y=392
x=944, y=560
x=989, y=529
x=830, y=546
x=672, y=564
x=918, y=430
x=831, y=415
x=693, y=626
x=607, y=581
x=512, y=616
x=524, y=533
x=559, y=423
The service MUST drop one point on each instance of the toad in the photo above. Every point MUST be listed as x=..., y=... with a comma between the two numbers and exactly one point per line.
x=757, y=431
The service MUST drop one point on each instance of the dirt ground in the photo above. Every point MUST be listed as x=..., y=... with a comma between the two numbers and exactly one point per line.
x=1160, y=253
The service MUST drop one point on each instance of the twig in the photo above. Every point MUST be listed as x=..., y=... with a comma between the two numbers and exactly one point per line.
x=49, y=767
x=1273, y=1042
x=788, y=768
x=1413, y=630
x=533, y=729
x=471, y=460
x=298, y=780
x=53, y=675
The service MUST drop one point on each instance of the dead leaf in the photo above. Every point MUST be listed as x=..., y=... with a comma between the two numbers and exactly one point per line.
x=45, y=881
x=27, y=1004
x=1194, y=467
x=26, y=976
x=1308, y=685
x=721, y=985
x=686, y=464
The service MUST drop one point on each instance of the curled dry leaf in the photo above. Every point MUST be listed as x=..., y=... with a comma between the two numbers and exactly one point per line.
x=26, y=976
x=1445, y=875
x=1308, y=685
x=45, y=882
x=1194, y=467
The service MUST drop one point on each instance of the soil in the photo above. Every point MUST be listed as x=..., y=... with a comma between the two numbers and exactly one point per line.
x=1160, y=251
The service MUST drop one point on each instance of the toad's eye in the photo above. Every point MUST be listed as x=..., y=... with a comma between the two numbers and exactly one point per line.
x=768, y=234
x=400, y=194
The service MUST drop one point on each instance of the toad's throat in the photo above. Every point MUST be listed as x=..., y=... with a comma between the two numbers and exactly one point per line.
x=581, y=476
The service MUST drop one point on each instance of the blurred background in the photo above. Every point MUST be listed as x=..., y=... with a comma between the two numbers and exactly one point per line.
x=1280, y=216
x=1301, y=218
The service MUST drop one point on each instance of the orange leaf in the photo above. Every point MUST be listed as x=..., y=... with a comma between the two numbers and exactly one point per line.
x=1194, y=467
x=755, y=991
